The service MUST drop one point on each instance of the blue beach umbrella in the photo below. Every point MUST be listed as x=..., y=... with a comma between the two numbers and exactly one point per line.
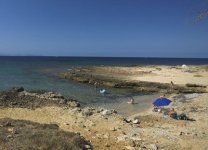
x=161, y=102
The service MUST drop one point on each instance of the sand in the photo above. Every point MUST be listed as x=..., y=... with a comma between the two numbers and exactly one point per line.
x=162, y=74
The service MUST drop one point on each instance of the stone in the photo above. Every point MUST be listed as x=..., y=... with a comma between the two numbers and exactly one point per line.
x=17, y=89
x=114, y=111
x=59, y=96
x=127, y=120
x=106, y=112
x=123, y=132
x=66, y=123
x=136, y=138
x=113, y=129
x=7, y=124
x=21, y=94
x=181, y=133
x=153, y=147
x=106, y=136
x=132, y=143
x=122, y=138
x=136, y=121
x=101, y=109
x=87, y=146
x=13, y=103
x=62, y=101
x=73, y=104
x=14, y=131
x=129, y=148
x=87, y=112
x=9, y=136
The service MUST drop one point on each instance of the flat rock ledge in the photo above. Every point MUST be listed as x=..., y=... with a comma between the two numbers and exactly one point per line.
x=84, y=75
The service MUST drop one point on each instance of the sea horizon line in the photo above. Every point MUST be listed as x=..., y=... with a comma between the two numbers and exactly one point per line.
x=53, y=56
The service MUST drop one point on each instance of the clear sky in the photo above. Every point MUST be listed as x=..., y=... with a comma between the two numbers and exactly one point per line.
x=129, y=28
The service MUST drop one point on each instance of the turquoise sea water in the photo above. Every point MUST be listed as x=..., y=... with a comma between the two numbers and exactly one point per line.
x=39, y=73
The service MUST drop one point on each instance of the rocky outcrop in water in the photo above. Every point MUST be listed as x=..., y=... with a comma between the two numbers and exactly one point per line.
x=18, y=97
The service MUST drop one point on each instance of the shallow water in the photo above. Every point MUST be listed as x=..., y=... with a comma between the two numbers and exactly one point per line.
x=40, y=73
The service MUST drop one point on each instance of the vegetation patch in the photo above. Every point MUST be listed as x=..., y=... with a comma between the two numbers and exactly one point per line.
x=27, y=135
x=198, y=75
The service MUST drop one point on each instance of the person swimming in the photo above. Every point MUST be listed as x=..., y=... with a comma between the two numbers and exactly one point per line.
x=131, y=101
x=102, y=91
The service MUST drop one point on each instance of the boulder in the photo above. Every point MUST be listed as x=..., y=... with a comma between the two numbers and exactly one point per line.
x=17, y=89
x=73, y=103
x=62, y=101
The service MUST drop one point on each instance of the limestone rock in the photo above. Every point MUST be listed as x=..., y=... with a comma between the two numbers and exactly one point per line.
x=106, y=112
x=17, y=89
x=73, y=104
x=88, y=147
x=153, y=147
x=136, y=121
x=87, y=112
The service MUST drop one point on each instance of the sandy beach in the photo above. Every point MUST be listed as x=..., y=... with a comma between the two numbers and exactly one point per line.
x=105, y=129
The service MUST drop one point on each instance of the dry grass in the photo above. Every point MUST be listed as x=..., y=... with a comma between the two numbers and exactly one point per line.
x=205, y=67
x=198, y=75
x=25, y=135
x=159, y=69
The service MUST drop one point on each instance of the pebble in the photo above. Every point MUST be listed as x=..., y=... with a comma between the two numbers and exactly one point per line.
x=153, y=147
x=129, y=148
x=107, y=145
x=122, y=138
x=127, y=120
x=9, y=136
x=136, y=121
x=181, y=133
x=113, y=129
x=106, y=112
x=106, y=136
x=132, y=143
x=87, y=146
x=66, y=123
x=62, y=101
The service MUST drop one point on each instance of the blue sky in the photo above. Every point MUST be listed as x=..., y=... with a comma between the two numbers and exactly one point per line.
x=129, y=28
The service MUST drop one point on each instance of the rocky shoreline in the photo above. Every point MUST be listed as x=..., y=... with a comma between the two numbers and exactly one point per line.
x=19, y=98
x=105, y=129
x=107, y=77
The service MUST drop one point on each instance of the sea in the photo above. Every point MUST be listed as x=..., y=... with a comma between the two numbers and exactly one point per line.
x=41, y=73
